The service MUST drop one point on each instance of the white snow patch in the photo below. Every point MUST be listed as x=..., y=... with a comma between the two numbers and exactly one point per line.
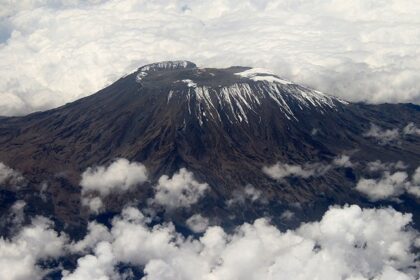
x=170, y=95
x=190, y=83
x=261, y=74
x=140, y=76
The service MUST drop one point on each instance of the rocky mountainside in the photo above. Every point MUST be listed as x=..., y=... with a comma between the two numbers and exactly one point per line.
x=227, y=126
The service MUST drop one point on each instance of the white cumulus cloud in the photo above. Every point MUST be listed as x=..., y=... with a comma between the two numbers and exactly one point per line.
x=197, y=223
x=97, y=266
x=182, y=190
x=347, y=243
x=390, y=185
x=20, y=255
x=120, y=176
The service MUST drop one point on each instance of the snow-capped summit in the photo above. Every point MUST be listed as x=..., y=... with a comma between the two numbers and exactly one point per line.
x=233, y=94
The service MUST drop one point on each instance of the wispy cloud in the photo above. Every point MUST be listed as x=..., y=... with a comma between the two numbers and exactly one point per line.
x=388, y=136
x=9, y=175
x=282, y=170
x=378, y=165
x=247, y=194
x=411, y=129
x=384, y=136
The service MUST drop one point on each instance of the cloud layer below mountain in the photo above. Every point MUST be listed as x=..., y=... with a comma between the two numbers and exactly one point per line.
x=347, y=243
x=53, y=52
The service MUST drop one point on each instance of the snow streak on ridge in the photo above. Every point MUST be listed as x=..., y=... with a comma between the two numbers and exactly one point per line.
x=236, y=96
x=241, y=99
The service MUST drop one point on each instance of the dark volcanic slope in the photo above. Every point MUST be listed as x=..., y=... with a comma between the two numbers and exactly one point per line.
x=225, y=125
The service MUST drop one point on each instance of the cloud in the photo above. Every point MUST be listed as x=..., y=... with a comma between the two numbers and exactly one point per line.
x=119, y=176
x=347, y=243
x=53, y=52
x=97, y=266
x=179, y=191
x=20, y=255
x=287, y=215
x=247, y=194
x=414, y=187
x=182, y=190
x=384, y=136
x=280, y=170
x=96, y=233
x=411, y=129
x=94, y=203
x=387, y=136
x=362, y=229
x=17, y=215
x=197, y=223
x=342, y=161
x=390, y=185
x=9, y=175
x=416, y=176
x=383, y=166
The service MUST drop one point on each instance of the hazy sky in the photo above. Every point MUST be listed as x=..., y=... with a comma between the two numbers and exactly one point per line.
x=55, y=51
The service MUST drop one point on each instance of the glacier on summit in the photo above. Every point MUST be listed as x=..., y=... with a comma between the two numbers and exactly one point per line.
x=235, y=92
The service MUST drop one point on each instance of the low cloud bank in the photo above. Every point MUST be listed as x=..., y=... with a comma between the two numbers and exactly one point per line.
x=347, y=243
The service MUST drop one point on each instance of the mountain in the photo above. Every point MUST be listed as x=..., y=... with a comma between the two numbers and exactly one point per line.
x=224, y=125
